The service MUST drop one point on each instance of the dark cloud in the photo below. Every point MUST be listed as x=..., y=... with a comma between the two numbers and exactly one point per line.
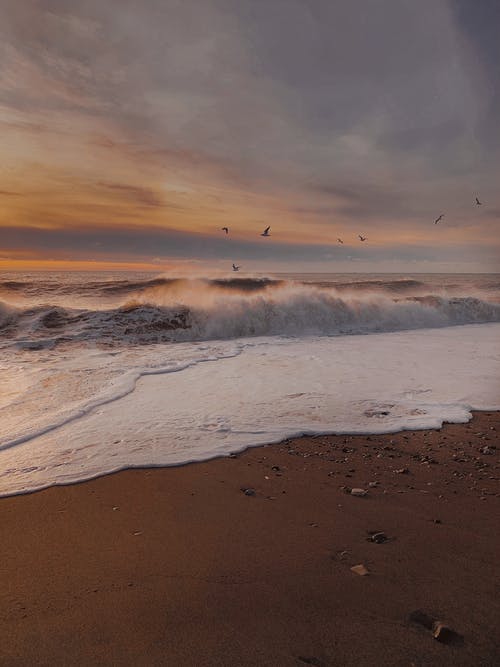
x=368, y=201
x=146, y=243
x=479, y=22
x=149, y=241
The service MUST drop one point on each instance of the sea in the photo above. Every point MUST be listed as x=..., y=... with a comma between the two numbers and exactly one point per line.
x=112, y=370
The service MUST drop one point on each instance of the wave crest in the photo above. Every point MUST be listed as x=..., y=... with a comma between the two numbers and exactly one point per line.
x=198, y=310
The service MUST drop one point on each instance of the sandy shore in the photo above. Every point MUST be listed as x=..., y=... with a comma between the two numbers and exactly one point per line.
x=180, y=567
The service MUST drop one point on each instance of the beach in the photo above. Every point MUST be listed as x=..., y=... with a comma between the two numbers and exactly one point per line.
x=249, y=334
x=246, y=560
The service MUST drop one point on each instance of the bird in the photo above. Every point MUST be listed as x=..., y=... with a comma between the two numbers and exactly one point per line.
x=361, y=238
x=225, y=229
x=478, y=203
x=266, y=231
x=439, y=219
x=340, y=240
x=236, y=268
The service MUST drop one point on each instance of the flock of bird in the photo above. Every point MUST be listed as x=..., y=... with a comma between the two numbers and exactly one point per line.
x=339, y=240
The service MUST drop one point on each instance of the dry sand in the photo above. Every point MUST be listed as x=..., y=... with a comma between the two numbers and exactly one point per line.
x=179, y=567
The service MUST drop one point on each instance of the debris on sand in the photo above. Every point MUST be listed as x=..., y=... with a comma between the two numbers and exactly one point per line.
x=360, y=569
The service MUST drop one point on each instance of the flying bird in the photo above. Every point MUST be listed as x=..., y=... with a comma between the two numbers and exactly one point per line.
x=236, y=268
x=340, y=240
x=478, y=203
x=439, y=219
x=266, y=231
x=225, y=229
x=361, y=238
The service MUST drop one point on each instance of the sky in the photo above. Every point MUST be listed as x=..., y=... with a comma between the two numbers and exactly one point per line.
x=132, y=132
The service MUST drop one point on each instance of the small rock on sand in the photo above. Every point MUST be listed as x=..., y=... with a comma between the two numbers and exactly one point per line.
x=360, y=569
x=360, y=493
x=378, y=537
x=443, y=633
x=248, y=492
x=440, y=631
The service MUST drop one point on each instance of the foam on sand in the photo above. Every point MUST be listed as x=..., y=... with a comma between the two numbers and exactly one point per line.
x=262, y=392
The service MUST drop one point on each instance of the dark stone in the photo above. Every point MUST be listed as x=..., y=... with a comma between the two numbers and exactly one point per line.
x=444, y=634
x=378, y=538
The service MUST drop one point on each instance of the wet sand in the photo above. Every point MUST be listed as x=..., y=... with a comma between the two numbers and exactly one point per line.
x=179, y=566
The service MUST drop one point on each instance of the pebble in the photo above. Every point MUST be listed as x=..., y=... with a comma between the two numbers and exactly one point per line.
x=248, y=492
x=359, y=493
x=443, y=633
x=360, y=569
x=378, y=537
x=440, y=631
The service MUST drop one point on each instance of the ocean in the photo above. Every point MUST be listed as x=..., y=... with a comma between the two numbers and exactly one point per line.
x=104, y=371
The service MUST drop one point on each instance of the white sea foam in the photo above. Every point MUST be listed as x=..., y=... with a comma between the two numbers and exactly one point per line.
x=190, y=310
x=106, y=410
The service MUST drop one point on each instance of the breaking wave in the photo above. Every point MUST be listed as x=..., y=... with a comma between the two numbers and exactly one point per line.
x=196, y=310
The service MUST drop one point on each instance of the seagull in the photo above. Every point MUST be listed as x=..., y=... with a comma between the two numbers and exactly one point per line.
x=225, y=229
x=266, y=231
x=236, y=268
x=439, y=219
x=340, y=240
x=361, y=238
x=478, y=203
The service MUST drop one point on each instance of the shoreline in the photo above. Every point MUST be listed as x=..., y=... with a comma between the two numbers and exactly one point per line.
x=239, y=452
x=177, y=565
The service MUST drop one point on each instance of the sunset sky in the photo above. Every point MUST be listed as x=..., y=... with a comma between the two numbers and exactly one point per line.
x=131, y=132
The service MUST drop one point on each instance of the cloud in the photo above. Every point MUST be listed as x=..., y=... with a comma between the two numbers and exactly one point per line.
x=129, y=244
x=138, y=195
x=323, y=114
